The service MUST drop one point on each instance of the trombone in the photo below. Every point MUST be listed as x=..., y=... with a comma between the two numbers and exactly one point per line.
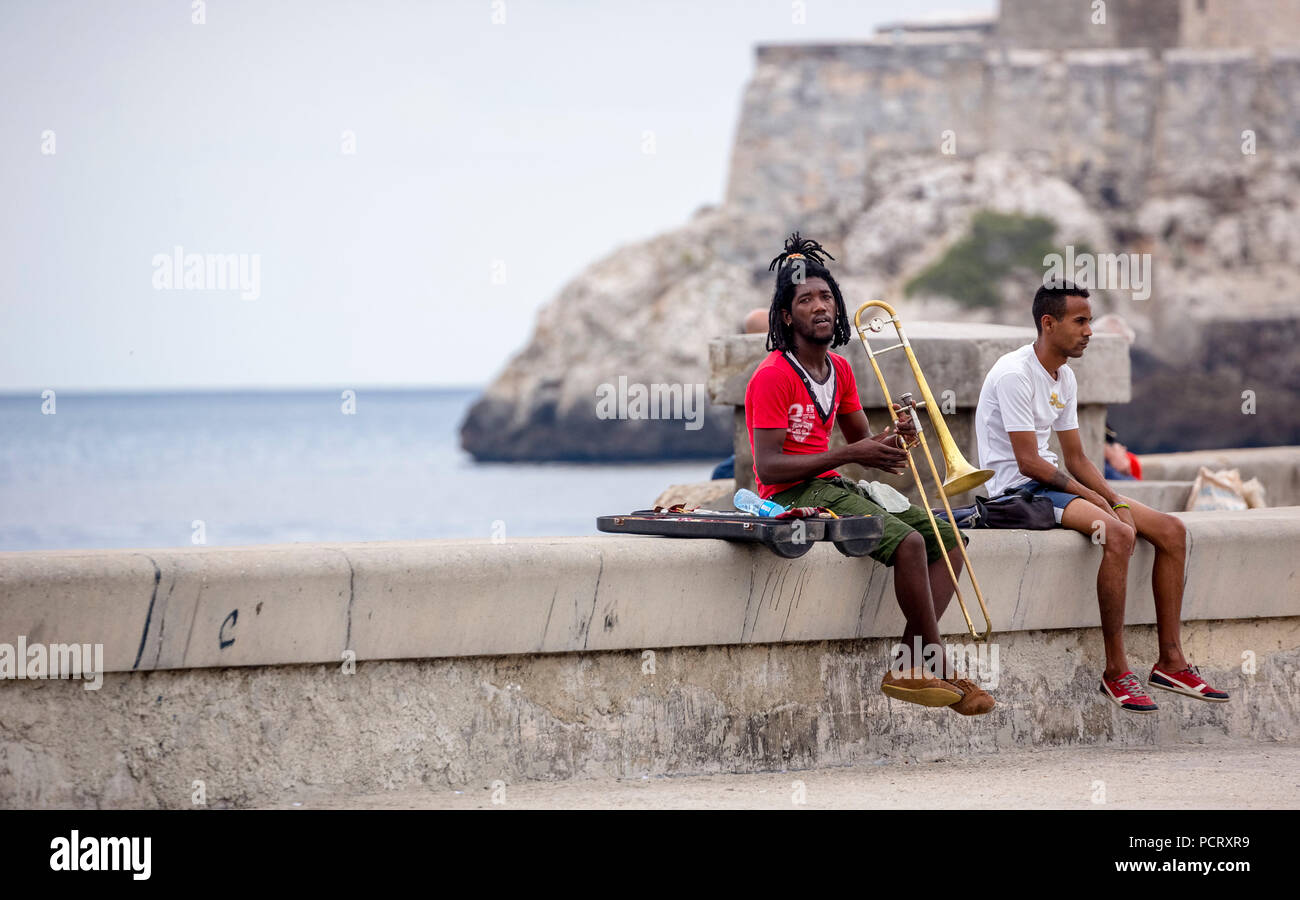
x=962, y=476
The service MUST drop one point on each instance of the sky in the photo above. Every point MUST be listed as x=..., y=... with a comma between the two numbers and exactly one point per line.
x=404, y=184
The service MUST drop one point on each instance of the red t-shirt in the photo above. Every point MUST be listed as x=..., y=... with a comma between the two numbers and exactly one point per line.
x=778, y=398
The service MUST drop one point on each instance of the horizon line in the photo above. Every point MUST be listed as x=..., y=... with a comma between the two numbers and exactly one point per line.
x=234, y=389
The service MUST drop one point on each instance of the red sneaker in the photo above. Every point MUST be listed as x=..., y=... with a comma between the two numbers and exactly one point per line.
x=1126, y=693
x=1188, y=682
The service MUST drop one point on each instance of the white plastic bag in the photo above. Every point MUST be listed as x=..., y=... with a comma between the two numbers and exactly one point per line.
x=1221, y=490
x=885, y=496
x=1253, y=491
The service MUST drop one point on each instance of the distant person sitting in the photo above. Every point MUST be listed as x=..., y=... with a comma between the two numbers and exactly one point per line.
x=1119, y=463
x=755, y=322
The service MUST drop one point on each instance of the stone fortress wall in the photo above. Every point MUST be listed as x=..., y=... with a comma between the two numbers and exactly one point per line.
x=1157, y=24
x=1114, y=121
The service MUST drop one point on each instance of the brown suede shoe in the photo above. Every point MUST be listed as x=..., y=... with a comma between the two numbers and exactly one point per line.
x=915, y=686
x=975, y=700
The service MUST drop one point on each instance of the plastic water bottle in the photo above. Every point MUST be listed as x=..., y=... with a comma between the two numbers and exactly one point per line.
x=751, y=503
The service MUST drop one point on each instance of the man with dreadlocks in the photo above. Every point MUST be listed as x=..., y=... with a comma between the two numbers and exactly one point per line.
x=792, y=403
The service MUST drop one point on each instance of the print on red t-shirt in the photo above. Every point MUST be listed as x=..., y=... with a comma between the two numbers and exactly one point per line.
x=778, y=398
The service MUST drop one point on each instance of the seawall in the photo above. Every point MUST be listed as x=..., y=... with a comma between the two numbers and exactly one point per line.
x=574, y=657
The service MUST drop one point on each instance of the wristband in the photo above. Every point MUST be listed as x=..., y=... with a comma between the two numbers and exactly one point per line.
x=1121, y=506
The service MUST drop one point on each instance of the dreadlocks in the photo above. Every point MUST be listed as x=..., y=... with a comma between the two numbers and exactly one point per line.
x=790, y=273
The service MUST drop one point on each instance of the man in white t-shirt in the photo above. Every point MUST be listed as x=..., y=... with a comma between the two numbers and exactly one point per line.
x=1031, y=392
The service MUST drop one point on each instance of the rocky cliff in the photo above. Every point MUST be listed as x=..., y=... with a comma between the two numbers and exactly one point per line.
x=888, y=154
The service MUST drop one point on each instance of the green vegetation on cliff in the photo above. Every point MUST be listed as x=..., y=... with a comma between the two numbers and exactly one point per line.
x=997, y=245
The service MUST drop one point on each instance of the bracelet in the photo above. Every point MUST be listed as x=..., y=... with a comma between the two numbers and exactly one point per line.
x=1121, y=506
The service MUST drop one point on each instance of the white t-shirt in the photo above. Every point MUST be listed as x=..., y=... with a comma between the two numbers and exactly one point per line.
x=822, y=391
x=1020, y=395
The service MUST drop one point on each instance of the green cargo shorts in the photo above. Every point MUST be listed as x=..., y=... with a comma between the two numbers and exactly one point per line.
x=847, y=499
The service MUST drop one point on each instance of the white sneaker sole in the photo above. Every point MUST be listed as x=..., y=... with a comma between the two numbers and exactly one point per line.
x=1188, y=693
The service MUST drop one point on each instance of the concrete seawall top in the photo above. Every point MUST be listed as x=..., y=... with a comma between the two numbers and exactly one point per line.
x=309, y=603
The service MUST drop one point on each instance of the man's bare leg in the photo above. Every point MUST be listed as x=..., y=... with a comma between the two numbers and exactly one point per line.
x=921, y=680
x=1169, y=536
x=912, y=590
x=1112, y=575
x=941, y=591
x=941, y=583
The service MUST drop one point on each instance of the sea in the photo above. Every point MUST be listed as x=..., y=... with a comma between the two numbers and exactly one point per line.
x=226, y=469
